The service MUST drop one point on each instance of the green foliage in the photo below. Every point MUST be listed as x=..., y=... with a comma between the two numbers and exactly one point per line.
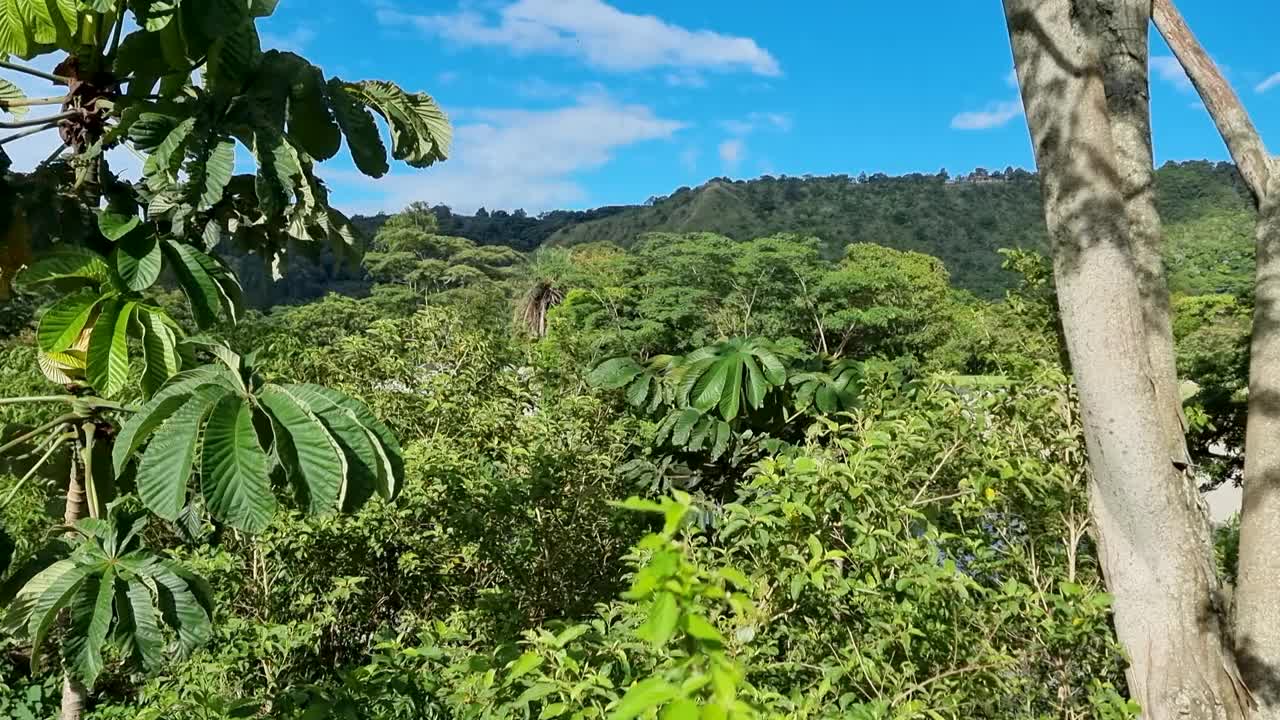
x=116, y=593
x=211, y=422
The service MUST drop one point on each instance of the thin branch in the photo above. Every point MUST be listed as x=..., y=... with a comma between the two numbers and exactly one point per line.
x=27, y=436
x=38, y=399
x=32, y=102
x=52, y=119
x=115, y=40
x=53, y=156
x=900, y=697
x=31, y=473
x=27, y=133
x=55, y=79
x=1224, y=106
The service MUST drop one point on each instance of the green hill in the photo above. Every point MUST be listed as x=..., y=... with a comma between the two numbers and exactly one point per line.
x=964, y=221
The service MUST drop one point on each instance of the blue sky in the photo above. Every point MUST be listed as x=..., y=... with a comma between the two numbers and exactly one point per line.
x=580, y=103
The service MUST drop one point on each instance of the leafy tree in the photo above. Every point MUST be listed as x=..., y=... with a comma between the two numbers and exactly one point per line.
x=190, y=88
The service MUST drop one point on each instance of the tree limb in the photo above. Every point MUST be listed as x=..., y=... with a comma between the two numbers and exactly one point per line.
x=52, y=119
x=1228, y=113
x=56, y=79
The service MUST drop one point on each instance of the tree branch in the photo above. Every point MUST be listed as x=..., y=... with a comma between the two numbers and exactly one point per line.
x=27, y=133
x=30, y=102
x=1228, y=113
x=38, y=121
x=55, y=79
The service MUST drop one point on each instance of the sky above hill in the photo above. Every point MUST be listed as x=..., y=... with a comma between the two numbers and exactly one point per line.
x=581, y=103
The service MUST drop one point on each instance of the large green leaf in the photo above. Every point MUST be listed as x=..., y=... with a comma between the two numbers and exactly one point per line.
x=26, y=589
x=615, y=373
x=134, y=432
x=312, y=459
x=180, y=608
x=161, y=167
x=373, y=454
x=159, y=349
x=44, y=613
x=9, y=93
x=139, y=623
x=392, y=456
x=711, y=385
x=166, y=464
x=357, y=443
x=91, y=613
x=138, y=260
x=108, y=358
x=196, y=276
x=420, y=131
x=211, y=173
x=311, y=124
x=234, y=468
x=68, y=264
x=62, y=324
x=233, y=57
x=357, y=123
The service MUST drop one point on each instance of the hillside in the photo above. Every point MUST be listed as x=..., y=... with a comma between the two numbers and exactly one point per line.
x=963, y=221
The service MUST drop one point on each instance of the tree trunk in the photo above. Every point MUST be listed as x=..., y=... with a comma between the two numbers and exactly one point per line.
x=1151, y=543
x=73, y=691
x=1123, y=28
x=73, y=698
x=1257, y=618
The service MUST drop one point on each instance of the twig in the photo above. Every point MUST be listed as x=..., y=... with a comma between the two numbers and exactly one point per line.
x=27, y=133
x=25, y=437
x=31, y=473
x=39, y=121
x=56, y=79
x=32, y=102
x=53, y=155
x=940, y=676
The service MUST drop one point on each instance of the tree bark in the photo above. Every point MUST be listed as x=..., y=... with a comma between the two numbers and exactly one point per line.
x=1154, y=554
x=73, y=691
x=1123, y=28
x=1257, y=616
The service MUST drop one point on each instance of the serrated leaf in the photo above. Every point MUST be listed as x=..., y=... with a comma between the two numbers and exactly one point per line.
x=356, y=441
x=420, y=131
x=61, y=324
x=234, y=468
x=312, y=459
x=181, y=609
x=165, y=467
x=107, y=369
x=161, y=168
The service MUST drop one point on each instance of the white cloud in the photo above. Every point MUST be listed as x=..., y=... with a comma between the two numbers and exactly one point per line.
x=780, y=122
x=1269, y=83
x=602, y=35
x=1168, y=69
x=514, y=159
x=731, y=153
x=994, y=115
x=296, y=40
x=687, y=79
